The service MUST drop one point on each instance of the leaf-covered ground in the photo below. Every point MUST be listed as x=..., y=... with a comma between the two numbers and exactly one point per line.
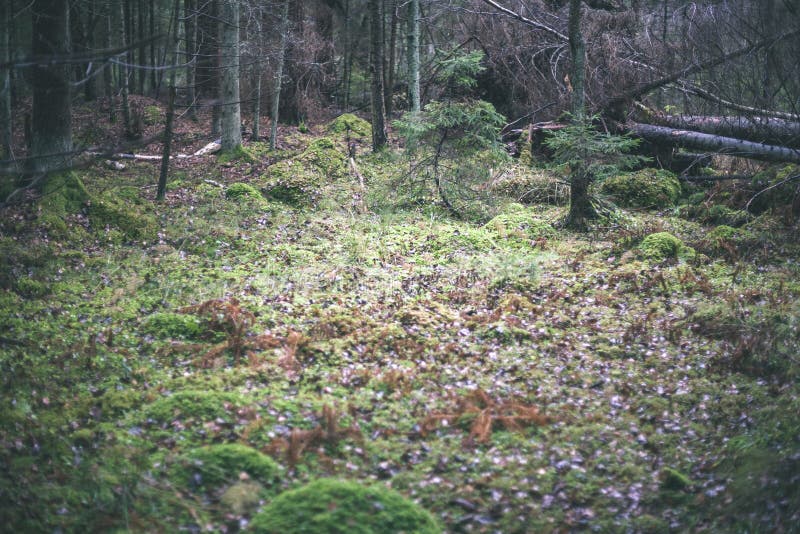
x=507, y=376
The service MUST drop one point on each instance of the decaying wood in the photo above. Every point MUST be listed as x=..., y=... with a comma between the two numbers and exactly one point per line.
x=671, y=137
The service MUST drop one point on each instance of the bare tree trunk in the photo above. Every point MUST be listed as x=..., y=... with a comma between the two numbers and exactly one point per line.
x=162, y=177
x=376, y=72
x=123, y=78
x=670, y=137
x=190, y=29
x=5, y=82
x=389, y=78
x=413, y=55
x=256, y=100
x=108, y=72
x=348, y=55
x=758, y=129
x=580, y=206
x=231, y=107
x=51, y=147
x=276, y=87
x=141, y=74
x=152, y=21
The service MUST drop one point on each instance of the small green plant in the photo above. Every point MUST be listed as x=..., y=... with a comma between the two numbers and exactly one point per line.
x=453, y=144
x=589, y=155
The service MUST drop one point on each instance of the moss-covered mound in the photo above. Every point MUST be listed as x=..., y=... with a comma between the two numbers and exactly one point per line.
x=660, y=246
x=332, y=506
x=783, y=189
x=349, y=123
x=532, y=186
x=167, y=325
x=202, y=405
x=222, y=464
x=106, y=212
x=647, y=188
x=299, y=181
x=242, y=191
x=518, y=225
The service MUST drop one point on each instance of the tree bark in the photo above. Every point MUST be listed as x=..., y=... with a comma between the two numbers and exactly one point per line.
x=231, y=108
x=413, y=56
x=190, y=29
x=758, y=129
x=580, y=206
x=348, y=55
x=256, y=71
x=5, y=82
x=175, y=45
x=389, y=77
x=376, y=73
x=51, y=147
x=123, y=80
x=671, y=137
x=108, y=72
x=278, y=81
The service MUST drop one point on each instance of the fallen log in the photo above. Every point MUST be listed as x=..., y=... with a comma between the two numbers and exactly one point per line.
x=671, y=137
x=769, y=130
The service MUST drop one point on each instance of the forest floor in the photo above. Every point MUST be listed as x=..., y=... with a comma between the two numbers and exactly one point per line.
x=508, y=376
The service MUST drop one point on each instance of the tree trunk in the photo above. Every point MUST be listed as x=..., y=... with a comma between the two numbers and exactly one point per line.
x=231, y=108
x=348, y=56
x=162, y=177
x=256, y=100
x=580, y=206
x=758, y=129
x=123, y=79
x=413, y=56
x=389, y=78
x=108, y=72
x=152, y=20
x=190, y=29
x=376, y=72
x=142, y=73
x=670, y=137
x=5, y=82
x=278, y=81
x=51, y=147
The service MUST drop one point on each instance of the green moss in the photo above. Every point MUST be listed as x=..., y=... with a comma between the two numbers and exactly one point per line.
x=205, y=405
x=518, y=225
x=357, y=126
x=329, y=506
x=299, y=181
x=239, y=153
x=242, y=498
x=660, y=246
x=720, y=214
x=782, y=192
x=647, y=188
x=28, y=287
x=152, y=115
x=106, y=212
x=118, y=402
x=672, y=479
x=217, y=465
x=241, y=190
x=165, y=325
x=62, y=195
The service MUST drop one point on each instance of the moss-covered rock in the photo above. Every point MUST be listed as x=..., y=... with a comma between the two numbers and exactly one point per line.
x=202, y=405
x=217, y=465
x=660, y=246
x=240, y=153
x=106, y=212
x=166, y=325
x=347, y=122
x=672, y=479
x=518, y=225
x=329, y=506
x=647, y=188
x=62, y=195
x=299, y=181
x=240, y=191
x=781, y=192
x=242, y=498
